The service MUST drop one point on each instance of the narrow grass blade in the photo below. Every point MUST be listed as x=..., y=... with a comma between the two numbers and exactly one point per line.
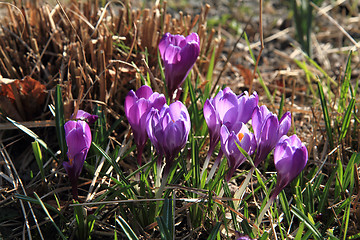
x=345, y=224
x=60, y=121
x=326, y=116
x=49, y=216
x=209, y=76
x=38, y=158
x=345, y=85
x=33, y=135
x=347, y=119
x=214, y=232
x=126, y=228
x=165, y=221
x=303, y=218
x=267, y=92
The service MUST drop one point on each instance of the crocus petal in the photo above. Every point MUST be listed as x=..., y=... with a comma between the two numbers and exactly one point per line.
x=78, y=136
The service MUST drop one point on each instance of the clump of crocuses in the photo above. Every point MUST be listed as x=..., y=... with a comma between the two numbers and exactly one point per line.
x=78, y=141
x=137, y=106
x=179, y=55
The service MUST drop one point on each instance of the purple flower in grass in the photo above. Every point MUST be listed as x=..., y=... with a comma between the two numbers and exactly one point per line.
x=137, y=106
x=168, y=130
x=179, y=54
x=78, y=141
x=290, y=158
x=268, y=130
x=229, y=145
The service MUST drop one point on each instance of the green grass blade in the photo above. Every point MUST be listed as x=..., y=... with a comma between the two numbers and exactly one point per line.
x=166, y=220
x=345, y=85
x=60, y=121
x=126, y=228
x=326, y=116
x=214, y=232
x=38, y=157
x=347, y=119
x=49, y=216
x=308, y=223
x=209, y=76
x=267, y=92
x=33, y=135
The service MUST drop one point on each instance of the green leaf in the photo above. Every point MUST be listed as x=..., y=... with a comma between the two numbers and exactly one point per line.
x=308, y=223
x=60, y=121
x=38, y=158
x=326, y=116
x=49, y=216
x=165, y=221
x=126, y=228
x=33, y=135
x=347, y=119
x=214, y=232
x=209, y=76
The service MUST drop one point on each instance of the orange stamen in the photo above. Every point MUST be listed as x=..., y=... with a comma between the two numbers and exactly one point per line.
x=240, y=136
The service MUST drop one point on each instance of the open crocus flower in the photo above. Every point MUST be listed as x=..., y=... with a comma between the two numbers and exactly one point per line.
x=290, y=158
x=137, y=106
x=229, y=145
x=218, y=111
x=78, y=141
x=179, y=54
x=268, y=130
x=168, y=130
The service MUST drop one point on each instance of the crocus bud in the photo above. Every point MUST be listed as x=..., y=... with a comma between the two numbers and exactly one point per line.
x=179, y=54
x=168, y=130
x=229, y=145
x=85, y=116
x=290, y=158
x=78, y=141
x=137, y=106
x=268, y=130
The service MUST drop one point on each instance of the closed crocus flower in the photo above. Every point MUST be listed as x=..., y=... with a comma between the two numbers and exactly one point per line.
x=168, y=130
x=268, y=130
x=78, y=141
x=290, y=158
x=137, y=106
x=179, y=54
x=229, y=141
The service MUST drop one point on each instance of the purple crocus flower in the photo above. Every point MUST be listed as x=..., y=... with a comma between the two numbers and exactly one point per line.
x=290, y=158
x=78, y=141
x=168, y=130
x=137, y=106
x=179, y=54
x=229, y=141
x=85, y=116
x=268, y=130
x=226, y=109
x=218, y=111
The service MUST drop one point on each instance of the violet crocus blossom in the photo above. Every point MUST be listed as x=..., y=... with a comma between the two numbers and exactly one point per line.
x=228, y=109
x=229, y=145
x=168, y=130
x=179, y=54
x=78, y=141
x=290, y=158
x=137, y=106
x=268, y=130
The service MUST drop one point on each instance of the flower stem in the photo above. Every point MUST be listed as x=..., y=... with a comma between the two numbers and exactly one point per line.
x=74, y=189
